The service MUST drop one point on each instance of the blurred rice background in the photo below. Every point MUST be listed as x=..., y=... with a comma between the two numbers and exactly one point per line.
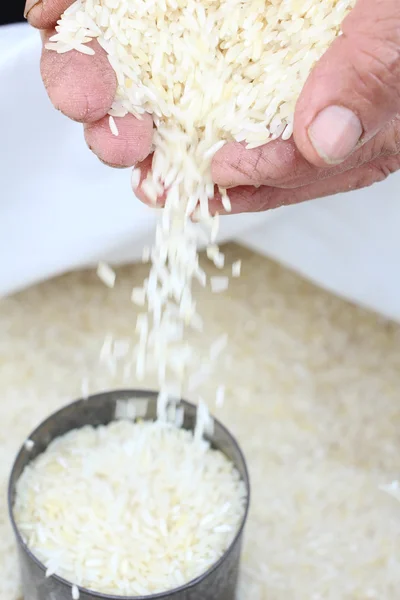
x=312, y=393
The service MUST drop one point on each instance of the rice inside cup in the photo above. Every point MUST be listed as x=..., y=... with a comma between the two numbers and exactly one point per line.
x=129, y=509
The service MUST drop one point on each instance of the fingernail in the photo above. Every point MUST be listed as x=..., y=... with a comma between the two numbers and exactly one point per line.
x=29, y=5
x=335, y=133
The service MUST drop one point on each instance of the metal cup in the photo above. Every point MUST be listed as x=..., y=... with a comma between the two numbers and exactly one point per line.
x=218, y=583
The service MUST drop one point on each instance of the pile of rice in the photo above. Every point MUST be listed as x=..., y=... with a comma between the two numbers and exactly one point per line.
x=129, y=508
x=208, y=72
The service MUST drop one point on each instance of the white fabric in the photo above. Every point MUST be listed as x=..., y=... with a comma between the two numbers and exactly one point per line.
x=61, y=209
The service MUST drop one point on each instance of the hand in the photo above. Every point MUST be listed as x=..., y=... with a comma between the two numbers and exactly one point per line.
x=346, y=130
x=358, y=78
x=83, y=88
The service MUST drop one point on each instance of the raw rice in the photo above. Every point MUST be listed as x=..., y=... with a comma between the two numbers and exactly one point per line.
x=135, y=178
x=85, y=388
x=137, y=503
x=220, y=396
x=317, y=446
x=214, y=254
x=106, y=274
x=113, y=126
x=226, y=203
x=236, y=268
x=219, y=284
x=138, y=296
x=51, y=570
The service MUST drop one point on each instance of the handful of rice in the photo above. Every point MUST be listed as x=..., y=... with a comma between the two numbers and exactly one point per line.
x=209, y=72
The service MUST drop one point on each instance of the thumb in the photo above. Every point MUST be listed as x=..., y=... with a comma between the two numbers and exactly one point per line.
x=354, y=90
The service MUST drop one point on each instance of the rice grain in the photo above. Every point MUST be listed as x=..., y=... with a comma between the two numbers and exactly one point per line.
x=106, y=274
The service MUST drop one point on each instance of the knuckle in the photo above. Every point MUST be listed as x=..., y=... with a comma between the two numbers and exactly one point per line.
x=367, y=177
x=249, y=199
x=375, y=64
x=253, y=164
x=276, y=163
x=391, y=138
x=377, y=172
x=268, y=198
x=385, y=143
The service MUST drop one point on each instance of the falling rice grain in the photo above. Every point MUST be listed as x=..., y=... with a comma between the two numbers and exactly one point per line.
x=219, y=284
x=236, y=268
x=106, y=274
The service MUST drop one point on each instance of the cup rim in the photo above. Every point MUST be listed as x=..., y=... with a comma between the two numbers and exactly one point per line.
x=99, y=595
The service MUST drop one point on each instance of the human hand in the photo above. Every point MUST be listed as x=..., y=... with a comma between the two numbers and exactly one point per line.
x=359, y=73
x=346, y=129
x=83, y=88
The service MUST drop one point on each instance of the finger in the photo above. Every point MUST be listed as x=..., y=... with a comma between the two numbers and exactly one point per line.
x=44, y=14
x=82, y=87
x=280, y=163
x=234, y=165
x=355, y=88
x=250, y=199
x=130, y=146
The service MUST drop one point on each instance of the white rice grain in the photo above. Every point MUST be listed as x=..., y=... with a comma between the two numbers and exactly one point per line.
x=220, y=396
x=29, y=445
x=219, y=284
x=135, y=178
x=106, y=274
x=236, y=268
x=113, y=126
x=138, y=296
x=85, y=388
x=226, y=203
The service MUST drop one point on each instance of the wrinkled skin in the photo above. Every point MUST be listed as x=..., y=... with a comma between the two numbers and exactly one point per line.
x=359, y=73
